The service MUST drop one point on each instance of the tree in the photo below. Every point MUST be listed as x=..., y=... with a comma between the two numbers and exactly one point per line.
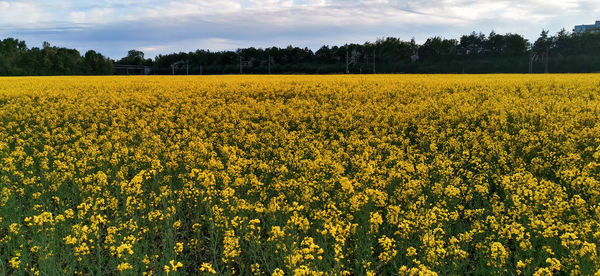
x=135, y=57
x=472, y=45
x=97, y=64
x=514, y=45
x=542, y=46
x=543, y=42
x=495, y=44
x=437, y=49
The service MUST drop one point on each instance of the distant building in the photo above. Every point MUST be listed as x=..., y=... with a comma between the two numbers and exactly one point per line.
x=121, y=69
x=587, y=28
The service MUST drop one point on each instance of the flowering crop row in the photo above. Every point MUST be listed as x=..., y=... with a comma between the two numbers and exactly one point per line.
x=300, y=175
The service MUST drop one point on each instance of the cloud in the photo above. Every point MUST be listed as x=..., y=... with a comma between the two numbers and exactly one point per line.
x=18, y=13
x=93, y=16
x=114, y=26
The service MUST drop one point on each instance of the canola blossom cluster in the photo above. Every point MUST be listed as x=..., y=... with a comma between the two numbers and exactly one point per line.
x=300, y=175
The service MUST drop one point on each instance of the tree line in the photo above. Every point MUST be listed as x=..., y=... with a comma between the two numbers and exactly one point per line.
x=472, y=53
x=16, y=59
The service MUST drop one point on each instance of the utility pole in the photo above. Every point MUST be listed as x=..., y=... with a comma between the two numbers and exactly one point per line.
x=532, y=56
x=240, y=64
x=187, y=68
x=347, y=71
x=546, y=60
x=200, y=69
x=269, y=64
x=373, y=60
x=173, y=69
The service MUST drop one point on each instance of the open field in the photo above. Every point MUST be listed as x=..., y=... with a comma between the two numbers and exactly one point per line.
x=266, y=175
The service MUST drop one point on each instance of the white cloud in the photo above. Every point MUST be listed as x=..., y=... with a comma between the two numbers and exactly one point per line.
x=19, y=13
x=294, y=12
x=93, y=16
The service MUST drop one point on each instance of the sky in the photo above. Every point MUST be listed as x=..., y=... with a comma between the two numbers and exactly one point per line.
x=113, y=27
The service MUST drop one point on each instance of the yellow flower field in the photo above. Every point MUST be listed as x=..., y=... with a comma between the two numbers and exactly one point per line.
x=300, y=175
